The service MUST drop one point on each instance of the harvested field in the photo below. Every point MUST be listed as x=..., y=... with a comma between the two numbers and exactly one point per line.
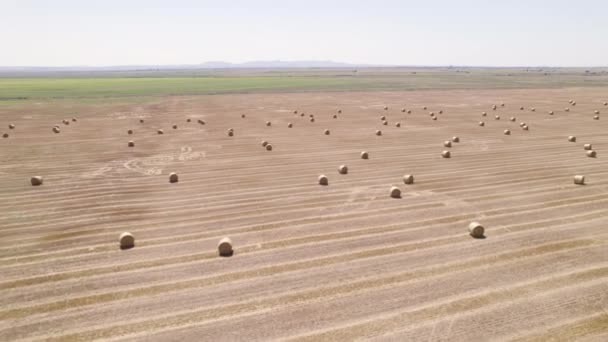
x=309, y=262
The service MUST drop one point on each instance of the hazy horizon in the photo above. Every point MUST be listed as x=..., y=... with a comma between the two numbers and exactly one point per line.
x=534, y=33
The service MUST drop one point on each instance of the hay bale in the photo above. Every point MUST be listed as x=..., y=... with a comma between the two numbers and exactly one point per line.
x=11, y=126
x=605, y=103
x=335, y=116
x=289, y=125
x=506, y=132
x=446, y=154
x=455, y=139
x=268, y=147
x=364, y=155
x=570, y=101
x=571, y=138
x=596, y=117
x=484, y=114
x=447, y=143
x=476, y=230
x=432, y=113
x=493, y=107
x=268, y=123
x=533, y=109
x=312, y=119
x=497, y=117
x=409, y=111
x=395, y=192
x=441, y=112
x=525, y=128
x=402, y=110
x=126, y=240
x=408, y=179
x=323, y=180
x=383, y=118
x=342, y=169
x=264, y=143
x=502, y=104
x=188, y=120
x=242, y=116
x=295, y=112
x=397, y=124
x=56, y=129
x=5, y=135
x=142, y=120
x=302, y=114
x=378, y=132
x=574, y=103
x=160, y=131
x=74, y=119
x=434, y=118
x=579, y=180
x=312, y=115
x=385, y=123
x=587, y=147
x=36, y=180
x=224, y=247
x=230, y=133
x=66, y=122
x=591, y=154
x=326, y=132
x=596, y=112
x=566, y=109
x=131, y=143
x=339, y=111
x=130, y=132
x=512, y=119
x=385, y=107
x=521, y=108
x=481, y=123
x=522, y=124
x=424, y=108
x=173, y=178
x=174, y=126
x=550, y=112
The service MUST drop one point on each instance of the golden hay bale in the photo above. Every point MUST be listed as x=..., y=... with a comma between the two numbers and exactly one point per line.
x=312, y=115
x=447, y=143
x=56, y=129
x=484, y=114
x=268, y=123
x=174, y=126
x=264, y=143
x=566, y=109
x=493, y=107
x=596, y=117
x=397, y=124
x=481, y=123
x=570, y=101
x=591, y=154
x=323, y=180
x=131, y=143
x=574, y=103
x=434, y=118
x=497, y=117
x=268, y=147
x=383, y=118
x=408, y=179
x=312, y=119
x=202, y=122
x=512, y=119
x=455, y=139
x=571, y=138
x=36, y=180
x=289, y=125
x=533, y=109
x=224, y=247
x=605, y=103
x=476, y=230
x=596, y=112
x=550, y=112
x=587, y=147
x=343, y=169
x=173, y=178
x=395, y=192
x=522, y=124
x=11, y=126
x=126, y=240
x=506, y=132
x=130, y=131
x=446, y=154
x=160, y=131
x=402, y=110
x=385, y=123
x=525, y=128
x=432, y=113
x=5, y=135
x=579, y=180
x=66, y=122
x=378, y=132
x=326, y=132
x=364, y=155
x=385, y=107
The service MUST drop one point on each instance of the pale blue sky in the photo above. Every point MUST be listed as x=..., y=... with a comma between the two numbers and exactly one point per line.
x=431, y=32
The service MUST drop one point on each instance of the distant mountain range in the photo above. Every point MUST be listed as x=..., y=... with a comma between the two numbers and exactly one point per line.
x=205, y=65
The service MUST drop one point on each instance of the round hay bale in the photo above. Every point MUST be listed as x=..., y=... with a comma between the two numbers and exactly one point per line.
x=441, y=112
x=335, y=116
x=502, y=104
x=571, y=138
x=385, y=123
x=476, y=230
x=202, y=122
x=174, y=126
x=521, y=108
x=383, y=118
x=587, y=147
x=591, y=154
x=56, y=129
x=574, y=103
x=36, y=181
x=525, y=128
x=289, y=125
x=605, y=103
x=409, y=111
x=230, y=133
x=173, y=178
x=268, y=147
x=5, y=135
x=268, y=123
x=484, y=114
x=455, y=139
x=497, y=117
x=74, y=119
x=432, y=113
x=550, y=112
x=596, y=112
x=312, y=119
x=142, y=120
x=481, y=123
x=11, y=126
x=570, y=101
x=566, y=109
x=408, y=179
x=302, y=114
x=323, y=180
x=506, y=132
x=596, y=117
x=512, y=119
x=579, y=180
x=312, y=115
x=402, y=110
x=242, y=116
x=434, y=118
x=130, y=132
x=343, y=169
x=295, y=112
x=385, y=107
x=447, y=143
x=326, y=132
x=395, y=192
x=131, y=143
x=126, y=240
x=66, y=122
x=493, y=107
x=397, y=124
x=224, y=247
x=160, y=131
x=364, y=155
x=188, y=120
x=446, y=154
x=522, y=124
x=339, y=111
x=533, y=109
x=264, y=143
x=378, y=132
